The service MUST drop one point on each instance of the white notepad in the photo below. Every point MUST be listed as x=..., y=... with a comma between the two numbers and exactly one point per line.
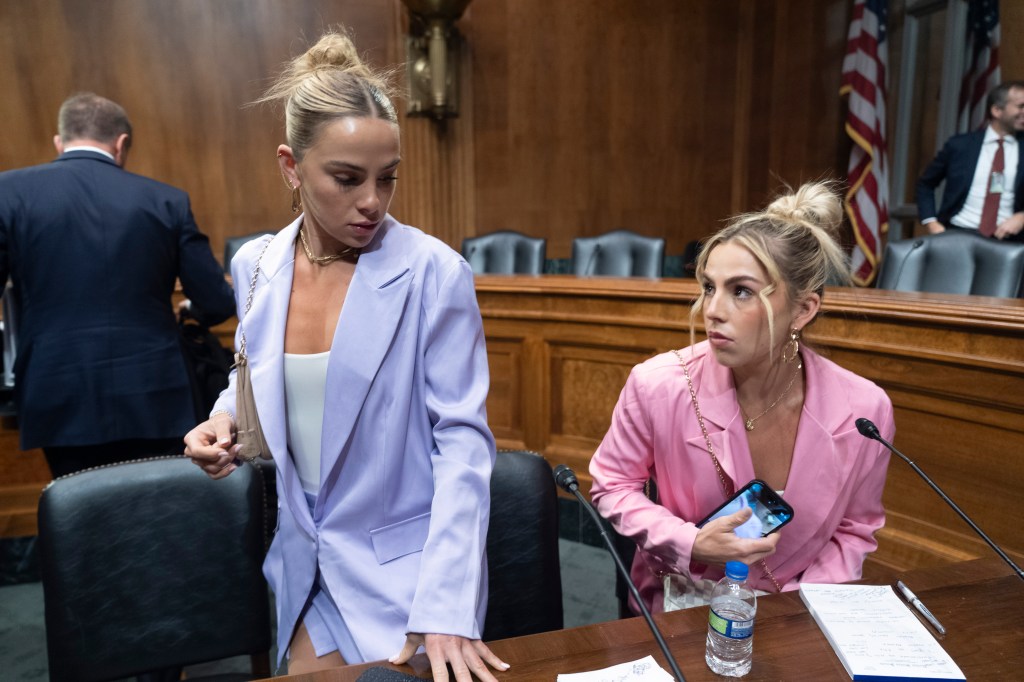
x=875, y=635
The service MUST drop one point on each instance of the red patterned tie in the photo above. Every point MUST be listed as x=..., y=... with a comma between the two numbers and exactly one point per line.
x=990, y=211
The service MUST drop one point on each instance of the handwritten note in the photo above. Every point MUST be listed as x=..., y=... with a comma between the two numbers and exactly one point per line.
x=875, y=635
x=645, y=669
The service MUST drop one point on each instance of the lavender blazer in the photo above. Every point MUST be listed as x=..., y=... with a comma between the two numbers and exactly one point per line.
x=835, y=481
x=400, y=524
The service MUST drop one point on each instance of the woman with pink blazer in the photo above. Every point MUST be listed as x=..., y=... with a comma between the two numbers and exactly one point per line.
x=369, y=373
x=769, y=408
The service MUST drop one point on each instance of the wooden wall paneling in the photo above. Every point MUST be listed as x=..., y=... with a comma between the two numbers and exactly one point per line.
x=741, y=139
x=184, y=72
x=506, y=399
x=1011, y=52
x=804, y=110
x=593, y=115
x=585, y=384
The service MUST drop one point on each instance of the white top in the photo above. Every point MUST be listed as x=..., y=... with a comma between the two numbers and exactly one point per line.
x=305, y=380
x=970, y=215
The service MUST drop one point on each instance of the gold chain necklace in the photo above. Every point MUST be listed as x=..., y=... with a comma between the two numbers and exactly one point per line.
x=324, y=260
x=751, y=422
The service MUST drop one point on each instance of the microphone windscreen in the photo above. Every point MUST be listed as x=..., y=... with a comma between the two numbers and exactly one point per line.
x=565, y=478
x=384, y=675
x=868, y=429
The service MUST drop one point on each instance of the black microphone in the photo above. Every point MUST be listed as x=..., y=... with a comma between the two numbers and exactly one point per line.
x=868, y=429
x=566, y=480
x=903, y=261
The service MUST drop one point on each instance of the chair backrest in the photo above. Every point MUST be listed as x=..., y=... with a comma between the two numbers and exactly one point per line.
x=525, y=585
x=620, y=253
x=151, y=564
x=233, y=244
x=505, y=252
x=954, y=262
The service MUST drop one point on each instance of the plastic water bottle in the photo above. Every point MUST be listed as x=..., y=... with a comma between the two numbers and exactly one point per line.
x=731, y=623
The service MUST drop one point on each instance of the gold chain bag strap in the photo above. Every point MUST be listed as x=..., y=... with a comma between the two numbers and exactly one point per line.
x=726, y=487
x=248, y=432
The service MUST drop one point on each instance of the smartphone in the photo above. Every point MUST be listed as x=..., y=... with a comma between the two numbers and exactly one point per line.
x=770, y=511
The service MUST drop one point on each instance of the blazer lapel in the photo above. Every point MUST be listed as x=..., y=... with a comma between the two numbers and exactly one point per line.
x=817, y=472
x=374, y=307
x=717, y=398
x=264, y=338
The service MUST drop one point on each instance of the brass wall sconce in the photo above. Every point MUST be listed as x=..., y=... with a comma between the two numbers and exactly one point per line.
x=432, y=51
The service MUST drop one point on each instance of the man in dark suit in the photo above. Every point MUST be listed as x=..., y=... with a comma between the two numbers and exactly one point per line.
x=983, y=171
x=93, y=253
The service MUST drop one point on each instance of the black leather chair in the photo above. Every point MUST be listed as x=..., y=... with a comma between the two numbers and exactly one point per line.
x=151, y=565
x=505, y=253
x=690, y=255
x=620, y=253
x=233, y=244
x=525, y=585
x=954, y=262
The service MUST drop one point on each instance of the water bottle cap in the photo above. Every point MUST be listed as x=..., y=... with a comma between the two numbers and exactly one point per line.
x=737, y=570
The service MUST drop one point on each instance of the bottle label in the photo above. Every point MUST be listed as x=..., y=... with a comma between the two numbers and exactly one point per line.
x=733, y=629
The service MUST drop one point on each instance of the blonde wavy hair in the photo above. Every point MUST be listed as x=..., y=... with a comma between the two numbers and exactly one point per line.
x=329, y=81
x=794, y=240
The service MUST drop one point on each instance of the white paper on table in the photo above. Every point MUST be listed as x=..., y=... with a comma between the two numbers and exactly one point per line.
x=646, y=669
x=875, y=635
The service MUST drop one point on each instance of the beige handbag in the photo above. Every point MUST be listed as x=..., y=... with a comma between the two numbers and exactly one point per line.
x=248, y=432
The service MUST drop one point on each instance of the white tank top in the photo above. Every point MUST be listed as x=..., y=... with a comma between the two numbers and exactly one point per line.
x=305, y=380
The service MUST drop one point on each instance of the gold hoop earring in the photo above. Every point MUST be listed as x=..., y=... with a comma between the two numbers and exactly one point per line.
x=791, y=351
x=296, y=200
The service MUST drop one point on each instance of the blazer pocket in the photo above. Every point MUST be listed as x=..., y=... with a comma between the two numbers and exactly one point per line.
x=398, y=539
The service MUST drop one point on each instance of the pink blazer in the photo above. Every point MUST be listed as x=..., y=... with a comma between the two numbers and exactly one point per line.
x=835, y=481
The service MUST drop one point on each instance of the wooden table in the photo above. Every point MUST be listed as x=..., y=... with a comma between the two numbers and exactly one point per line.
x=979, y=602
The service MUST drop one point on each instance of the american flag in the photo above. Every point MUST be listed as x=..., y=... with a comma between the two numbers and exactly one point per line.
x=863, y=82
x=981, y=72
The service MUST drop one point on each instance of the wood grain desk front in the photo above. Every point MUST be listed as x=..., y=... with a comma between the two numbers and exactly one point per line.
x=560, y=348
x=979, y=602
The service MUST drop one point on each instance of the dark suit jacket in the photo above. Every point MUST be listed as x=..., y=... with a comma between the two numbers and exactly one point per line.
x=93, y=252
x=956, y=164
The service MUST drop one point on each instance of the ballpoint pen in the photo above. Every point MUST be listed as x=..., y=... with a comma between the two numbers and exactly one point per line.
x=922, y=609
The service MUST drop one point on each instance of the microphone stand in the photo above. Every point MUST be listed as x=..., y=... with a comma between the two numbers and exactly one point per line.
x=566, y=480
x=868, y=429
x=903, y=261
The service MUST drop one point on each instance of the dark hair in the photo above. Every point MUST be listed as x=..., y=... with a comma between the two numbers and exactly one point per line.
x=87, y=116
x=998, y=95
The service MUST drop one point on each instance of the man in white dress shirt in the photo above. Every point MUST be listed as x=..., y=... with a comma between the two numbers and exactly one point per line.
x=983, y=173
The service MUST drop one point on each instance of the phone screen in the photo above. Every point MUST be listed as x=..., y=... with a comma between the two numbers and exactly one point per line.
x=770, y=511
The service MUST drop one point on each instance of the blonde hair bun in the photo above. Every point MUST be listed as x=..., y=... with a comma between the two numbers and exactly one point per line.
x=327, y=82
x=815, y=204
x=334, y=50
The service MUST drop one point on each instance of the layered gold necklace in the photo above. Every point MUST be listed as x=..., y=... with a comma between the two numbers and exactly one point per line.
x=350, y=251
x=752, y=421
